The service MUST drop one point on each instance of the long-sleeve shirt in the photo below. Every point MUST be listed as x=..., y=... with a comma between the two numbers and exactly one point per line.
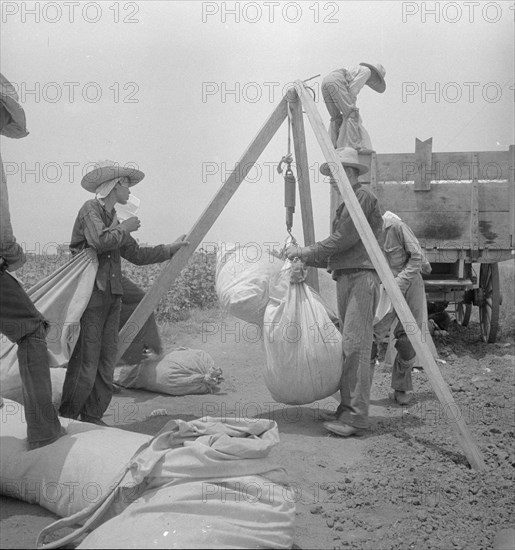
x=403, y=252
x=359, y=76
x=99, y=229
x=344, y=249
x=354, y=77
x=10, y=250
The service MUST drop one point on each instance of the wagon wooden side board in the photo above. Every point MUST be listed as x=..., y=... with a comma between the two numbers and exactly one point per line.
x=461, y=207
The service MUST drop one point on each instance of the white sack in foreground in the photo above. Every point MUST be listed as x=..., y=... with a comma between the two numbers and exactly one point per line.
x=62, y=298
x=68, y=476
x=201, y=484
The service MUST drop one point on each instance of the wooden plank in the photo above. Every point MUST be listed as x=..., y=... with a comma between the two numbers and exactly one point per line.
x=423, y=160
x=451, y=229
x=451, y=197
x=453, y=283
x=435, y=255
x=396, y=167
x=335, y=201
x=302, y=165
x=461, y=265
x=512, y=194
x=493, y=230
x=492, y=165
x=373, y=172
x=173, y=268
x=463, y=435
x=442, y=295
x=366, y=159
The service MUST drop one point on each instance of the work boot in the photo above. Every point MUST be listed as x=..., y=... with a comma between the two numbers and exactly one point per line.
x=401, y=397
x=91, y=420
x=330, y=416
x=341, y=429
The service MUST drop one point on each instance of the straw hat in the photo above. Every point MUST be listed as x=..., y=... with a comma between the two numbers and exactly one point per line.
x=380, y=72
x=17, y=128
x=107, y=170
x=348, y=157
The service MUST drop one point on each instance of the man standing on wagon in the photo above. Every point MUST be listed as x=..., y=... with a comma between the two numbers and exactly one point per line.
x=88, y=385
x=340, y=89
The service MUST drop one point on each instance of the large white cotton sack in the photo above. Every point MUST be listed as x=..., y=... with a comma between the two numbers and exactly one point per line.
x=239, y=512
x=303, y=347
x=218, y=489
x=61, y=298
x=57, y=376
x=183, y=371
x=242, y=280
x=68, y=475
x=206, y=483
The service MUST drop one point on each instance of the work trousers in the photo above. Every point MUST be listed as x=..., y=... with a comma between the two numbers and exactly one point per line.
x=415, y=297
x=88, y=386
x=357, y=294
x=148, y=336
x=24, y=325
x=346, y=127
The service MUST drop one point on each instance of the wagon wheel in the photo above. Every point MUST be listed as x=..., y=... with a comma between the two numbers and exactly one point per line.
x=490, y=301
x=463, y=312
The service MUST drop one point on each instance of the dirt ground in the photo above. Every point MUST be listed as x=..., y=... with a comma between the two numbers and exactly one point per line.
x=406, y=484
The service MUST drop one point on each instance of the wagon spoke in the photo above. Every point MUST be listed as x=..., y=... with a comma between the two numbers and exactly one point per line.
x=488, y=281
x=489, y=308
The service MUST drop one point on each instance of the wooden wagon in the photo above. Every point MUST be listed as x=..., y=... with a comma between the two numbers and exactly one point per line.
x=461, y=207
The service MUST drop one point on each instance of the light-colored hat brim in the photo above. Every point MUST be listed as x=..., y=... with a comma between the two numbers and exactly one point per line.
x=17, y=128
x=362, y=168
x=378, y=87
x=96, y=177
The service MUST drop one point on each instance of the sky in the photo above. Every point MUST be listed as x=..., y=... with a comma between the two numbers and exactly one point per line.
x=180, y=89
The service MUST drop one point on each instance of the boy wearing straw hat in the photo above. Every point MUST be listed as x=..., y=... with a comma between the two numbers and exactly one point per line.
x=20, y=321
x=357, y=291
x=88, y=385
x=340, y=90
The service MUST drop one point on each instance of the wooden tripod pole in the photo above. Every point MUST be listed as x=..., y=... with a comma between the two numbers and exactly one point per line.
x=306, y=206
x=402, y=309
x=179, y=260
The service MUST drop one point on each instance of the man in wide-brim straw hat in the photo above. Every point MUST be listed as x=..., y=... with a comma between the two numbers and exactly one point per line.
x=107, y=173
x=20, y=321
x=357, y=291
x=88, y=385
x=150, y=341
x=348, y=158
x=340, y=90
x=15, y=125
